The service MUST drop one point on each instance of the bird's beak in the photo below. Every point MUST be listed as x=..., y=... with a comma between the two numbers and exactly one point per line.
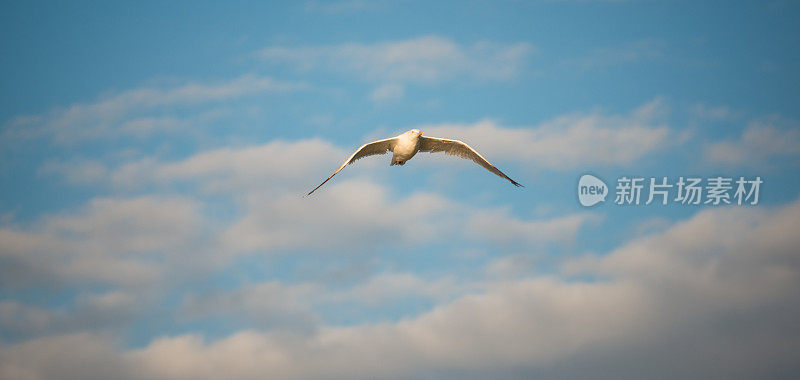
x=420, y=133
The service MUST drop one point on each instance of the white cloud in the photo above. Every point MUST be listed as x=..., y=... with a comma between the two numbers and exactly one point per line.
x=734, y=255
x=759, y=142
x=117, y=256
x=77, y=171
x=116, y=241
x=359, y=215
x=570, y=141
x=426, y=59
x=130, y=113
x=268, y=305
x=511, y=266
x=719, y=287
x=273, y=305
x=90, y=312
x=277, y=164
x=499, y=227
x=392, y=286
x=350, y=214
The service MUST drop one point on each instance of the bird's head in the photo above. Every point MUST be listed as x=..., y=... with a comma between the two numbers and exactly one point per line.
x=415, y=132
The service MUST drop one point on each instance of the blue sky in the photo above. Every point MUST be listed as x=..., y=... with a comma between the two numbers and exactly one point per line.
x=153, y=158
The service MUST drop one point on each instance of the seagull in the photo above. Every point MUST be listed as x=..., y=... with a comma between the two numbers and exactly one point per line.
x=406, y=145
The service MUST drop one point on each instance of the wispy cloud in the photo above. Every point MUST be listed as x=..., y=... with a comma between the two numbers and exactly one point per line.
x=569, y=141
x=427, y=59
x=758, y=143
x=278, y=164
x=136, y=112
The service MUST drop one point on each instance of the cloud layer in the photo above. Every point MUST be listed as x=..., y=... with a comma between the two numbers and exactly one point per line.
x=725, y=275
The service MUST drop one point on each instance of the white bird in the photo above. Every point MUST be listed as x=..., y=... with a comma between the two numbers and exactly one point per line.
x=406, y=145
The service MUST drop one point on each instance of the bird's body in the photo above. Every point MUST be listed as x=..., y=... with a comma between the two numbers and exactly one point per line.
x=406, y=145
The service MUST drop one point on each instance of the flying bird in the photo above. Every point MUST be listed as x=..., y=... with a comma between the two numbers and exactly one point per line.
x=406, y=145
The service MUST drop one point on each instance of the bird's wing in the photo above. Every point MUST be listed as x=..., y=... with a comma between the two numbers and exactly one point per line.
x=369, y=149
x=459, y=149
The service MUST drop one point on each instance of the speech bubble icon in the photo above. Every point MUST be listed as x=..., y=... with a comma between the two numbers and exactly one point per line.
x=591, y=190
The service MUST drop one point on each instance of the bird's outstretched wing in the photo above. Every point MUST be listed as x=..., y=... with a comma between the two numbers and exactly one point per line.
x=459, y=149
x=369, y=149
